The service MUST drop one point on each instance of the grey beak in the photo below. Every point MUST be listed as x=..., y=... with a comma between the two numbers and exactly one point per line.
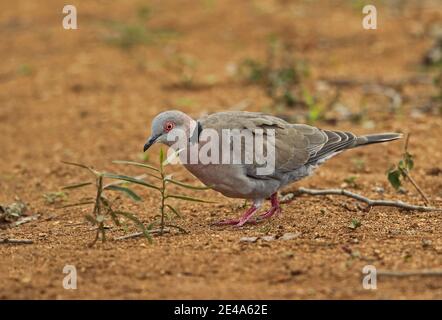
x=150, y=142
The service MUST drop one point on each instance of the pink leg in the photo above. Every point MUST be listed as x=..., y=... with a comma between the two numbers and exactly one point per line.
x=241, y=221
x=274, y=209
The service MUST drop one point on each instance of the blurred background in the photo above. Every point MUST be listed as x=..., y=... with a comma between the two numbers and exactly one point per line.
x=89, y=95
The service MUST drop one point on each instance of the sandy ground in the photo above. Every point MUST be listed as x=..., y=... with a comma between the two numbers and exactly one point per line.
x=70, y=95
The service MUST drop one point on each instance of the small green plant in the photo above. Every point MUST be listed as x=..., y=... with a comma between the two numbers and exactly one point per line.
x=12, y=212
x=358, y=163
x=128, y=35
x=315, y=109
x=55, y=197
x=24, y=70
x=184, y=66
x=103, y=207
x=401, y=171
x=164, y=180
x=351, y=181
x=354, y=224
x=144, y=12
x=280, y=76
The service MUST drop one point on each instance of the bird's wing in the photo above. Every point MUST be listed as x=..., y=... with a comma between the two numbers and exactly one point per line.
x=295, y=144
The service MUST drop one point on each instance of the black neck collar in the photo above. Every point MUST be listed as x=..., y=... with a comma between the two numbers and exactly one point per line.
x=195, y=137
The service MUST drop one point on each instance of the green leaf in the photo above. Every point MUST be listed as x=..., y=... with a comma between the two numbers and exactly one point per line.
x=137, y=164
x=129, y=179
x=154, y=176
x=161, y=157
x=81, y=166
x=187, y=198
x=185, y=185
x=137, y=222
x=394, y=178
x=408, y=159
x=354, y=224
x=77, y=185
x=130, y=193
x=114, y=218
x=177, y=213
x=105, y=201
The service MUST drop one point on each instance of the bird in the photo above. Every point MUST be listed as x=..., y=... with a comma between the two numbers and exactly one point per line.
x=299, y=149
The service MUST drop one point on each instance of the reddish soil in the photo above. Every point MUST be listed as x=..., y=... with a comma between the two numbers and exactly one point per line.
x=69, y=95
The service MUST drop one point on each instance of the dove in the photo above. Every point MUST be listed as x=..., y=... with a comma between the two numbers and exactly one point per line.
x=298, y=150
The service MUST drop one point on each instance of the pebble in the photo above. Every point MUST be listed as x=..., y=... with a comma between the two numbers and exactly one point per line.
x=379, y=190
x=290, y=236
x=248, y=239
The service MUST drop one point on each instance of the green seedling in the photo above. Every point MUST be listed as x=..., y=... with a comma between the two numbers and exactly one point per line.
x=128, y=35
x=164, y=180
x=103, y=209
x=401, y=171
x=55, y=197
x=12, y=212
x=280, y=75
x=354, y=224
x=359, y=164
x=351, y=181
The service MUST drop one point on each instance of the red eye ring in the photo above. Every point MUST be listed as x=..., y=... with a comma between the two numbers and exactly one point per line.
x=168, y=125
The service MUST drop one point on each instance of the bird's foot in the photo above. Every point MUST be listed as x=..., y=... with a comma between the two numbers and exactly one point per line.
x=227, y=222
x=275, y=209
x=241, y=221
x=272, y=211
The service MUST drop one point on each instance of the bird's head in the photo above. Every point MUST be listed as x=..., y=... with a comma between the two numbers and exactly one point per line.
x=164, y=123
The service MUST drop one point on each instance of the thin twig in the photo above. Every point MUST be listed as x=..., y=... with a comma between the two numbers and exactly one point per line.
x=16, y=241
x=429, y=273
x=397, y=84
x=139, y=234
x=75, y=204
x=25, y=220
x=177, y=227
x=424, y=197
x=370, y=202
x=407, y=174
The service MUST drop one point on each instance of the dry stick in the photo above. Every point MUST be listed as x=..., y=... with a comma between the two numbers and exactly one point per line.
x=407, y=174
x=16, y=241
x=347, y=82
x=25, y=220
x=369, y=202
x=427, y=202
x=429, y=273
x=138, y=234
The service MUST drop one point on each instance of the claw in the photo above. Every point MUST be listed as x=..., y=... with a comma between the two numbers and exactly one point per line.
x=247, y=216
x=227, y=222
x=275, y=209
x=239, y=222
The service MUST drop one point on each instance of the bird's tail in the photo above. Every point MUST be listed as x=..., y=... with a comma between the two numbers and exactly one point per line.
x=377, y=138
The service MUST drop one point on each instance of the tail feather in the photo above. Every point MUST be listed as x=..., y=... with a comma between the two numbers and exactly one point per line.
x=377, y=138
x=340, y=141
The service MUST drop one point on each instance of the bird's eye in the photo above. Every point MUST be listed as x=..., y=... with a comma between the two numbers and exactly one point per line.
x=168, y=126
